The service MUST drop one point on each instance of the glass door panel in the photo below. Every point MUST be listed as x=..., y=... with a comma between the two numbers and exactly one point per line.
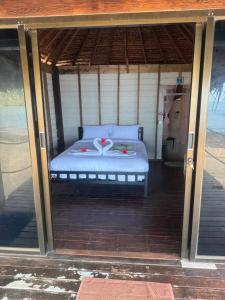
x=211, y=239
x=18, y=226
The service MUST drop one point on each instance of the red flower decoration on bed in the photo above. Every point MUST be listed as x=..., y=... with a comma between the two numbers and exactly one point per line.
x=103, y=141
x=124, y=151
x=83, y=149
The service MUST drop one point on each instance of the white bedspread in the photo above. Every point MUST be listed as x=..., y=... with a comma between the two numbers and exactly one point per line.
x=66, y=161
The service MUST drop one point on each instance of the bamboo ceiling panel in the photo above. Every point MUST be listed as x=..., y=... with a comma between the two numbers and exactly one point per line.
x=159, y=44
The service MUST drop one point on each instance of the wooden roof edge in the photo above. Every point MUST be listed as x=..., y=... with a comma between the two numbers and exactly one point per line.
x=53, y=8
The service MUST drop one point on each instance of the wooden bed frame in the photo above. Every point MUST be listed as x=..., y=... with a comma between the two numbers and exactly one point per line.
x=84, y=177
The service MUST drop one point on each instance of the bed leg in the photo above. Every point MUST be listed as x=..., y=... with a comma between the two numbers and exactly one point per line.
x=146, y=186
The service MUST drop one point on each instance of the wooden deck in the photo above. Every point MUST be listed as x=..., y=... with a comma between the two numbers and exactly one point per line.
x=118, y=221
x=51, y=278
x=17, y=219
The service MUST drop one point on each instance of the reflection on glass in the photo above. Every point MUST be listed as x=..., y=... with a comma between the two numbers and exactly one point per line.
x=212, y=222
x=17, y=217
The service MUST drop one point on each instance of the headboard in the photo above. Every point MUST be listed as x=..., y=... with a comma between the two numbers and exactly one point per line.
x=140, y=133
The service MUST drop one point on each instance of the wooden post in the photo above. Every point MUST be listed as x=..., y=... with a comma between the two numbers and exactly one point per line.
x=58, y=109
x=48, y=113
x=157, y=113
x=99, y=97
x=80, y=96
x=118, y=96
x=138, y=95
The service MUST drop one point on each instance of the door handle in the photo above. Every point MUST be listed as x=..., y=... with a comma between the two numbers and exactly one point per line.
x=190, y=163
x=42, y=140
x=191, y=137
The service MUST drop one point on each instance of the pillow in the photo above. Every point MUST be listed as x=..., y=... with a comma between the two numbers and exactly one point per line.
x=129, y=132
x=94, y=131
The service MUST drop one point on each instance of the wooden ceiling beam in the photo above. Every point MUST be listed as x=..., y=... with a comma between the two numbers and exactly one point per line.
x=58, y=49
x=164, y=60
x=184, y=34
x=80, y=47
x=188, y=32
x=173, y=44
x=125, y=49
x=66, y=47
x=54, y=37
x=50, y=44
x=111, y=46
x=45, y=36
x=143, y=45
x=95, y=47
x=45, y=43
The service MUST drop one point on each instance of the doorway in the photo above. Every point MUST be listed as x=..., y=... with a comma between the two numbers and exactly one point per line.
x=104, y=220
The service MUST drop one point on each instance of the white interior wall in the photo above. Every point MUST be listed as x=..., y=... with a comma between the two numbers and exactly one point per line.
x=70, y=107
x=128, y=98
x=89, y=94
x=108, y=91
x=187, y=77
x=109, y=98
x=148, y=103
x=169, y=78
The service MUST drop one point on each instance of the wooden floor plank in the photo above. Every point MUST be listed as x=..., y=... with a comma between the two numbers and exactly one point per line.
x=119, y=219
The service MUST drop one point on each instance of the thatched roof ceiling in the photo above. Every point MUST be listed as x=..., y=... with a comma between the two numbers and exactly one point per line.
x=160, y=44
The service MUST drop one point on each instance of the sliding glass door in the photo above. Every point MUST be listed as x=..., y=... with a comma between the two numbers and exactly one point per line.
x=211, y=241
x=19, y=193
x=208, y=226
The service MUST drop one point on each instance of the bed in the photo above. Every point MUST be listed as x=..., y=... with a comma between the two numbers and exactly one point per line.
x=75, y=167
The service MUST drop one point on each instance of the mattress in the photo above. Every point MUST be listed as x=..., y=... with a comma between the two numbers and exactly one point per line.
x=68, y=162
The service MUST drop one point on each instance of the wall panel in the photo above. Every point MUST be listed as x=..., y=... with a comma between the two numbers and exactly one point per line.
x=128, y=98
x=108, y=83
x=70, y=107
x=169, y=78
x=89, y=94
x=148, y=100
x=187, y=77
